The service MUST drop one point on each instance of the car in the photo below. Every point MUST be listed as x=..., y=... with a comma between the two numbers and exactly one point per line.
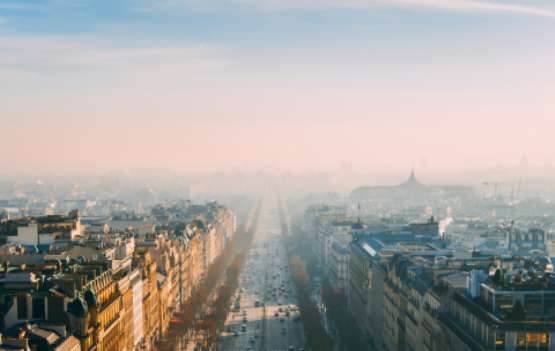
x=244, y=327
x=291, y=348
x=282, y=319
x=235, y=333
x=283, y=330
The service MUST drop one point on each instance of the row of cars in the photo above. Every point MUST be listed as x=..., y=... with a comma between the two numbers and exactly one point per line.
x=279, y=292
x=264, y=315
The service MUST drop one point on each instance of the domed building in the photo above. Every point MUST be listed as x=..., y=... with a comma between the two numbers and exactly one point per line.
x=411, y=189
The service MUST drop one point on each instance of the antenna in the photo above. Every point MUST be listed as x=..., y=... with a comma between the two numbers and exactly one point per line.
x=518, y=188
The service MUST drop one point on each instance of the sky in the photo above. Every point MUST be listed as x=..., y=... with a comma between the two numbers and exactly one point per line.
x=87, y=86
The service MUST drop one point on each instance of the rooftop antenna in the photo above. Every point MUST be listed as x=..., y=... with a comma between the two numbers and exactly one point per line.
x=518, y=188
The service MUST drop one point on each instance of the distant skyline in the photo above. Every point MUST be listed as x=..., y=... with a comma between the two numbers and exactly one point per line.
x=95, y=85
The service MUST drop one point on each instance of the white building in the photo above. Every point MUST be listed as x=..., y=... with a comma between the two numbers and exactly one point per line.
x=27, y=235
x=137, y=286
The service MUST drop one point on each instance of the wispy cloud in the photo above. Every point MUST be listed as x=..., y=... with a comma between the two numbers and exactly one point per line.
x=480, y=6
x=45, y=53
x=450, y=5
x=18, y=6
x=532, y=7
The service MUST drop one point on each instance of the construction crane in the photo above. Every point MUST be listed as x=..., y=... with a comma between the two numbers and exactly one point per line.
x=518, y=188
x=495, y=186
x=515, y=193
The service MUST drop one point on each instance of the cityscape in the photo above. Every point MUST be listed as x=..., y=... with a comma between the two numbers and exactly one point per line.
x=277, y=175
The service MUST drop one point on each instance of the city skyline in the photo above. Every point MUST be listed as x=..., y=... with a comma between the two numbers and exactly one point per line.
x=297, y=85
x=257, y=175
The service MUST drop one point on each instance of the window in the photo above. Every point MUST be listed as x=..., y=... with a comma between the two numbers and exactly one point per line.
x=521, y=341
x=22, y=307
x=56, y=309
x=544, y=341
x=500, y=341
x=38, y=308
x=533, y=304
x=532, y=339
x=537, y=341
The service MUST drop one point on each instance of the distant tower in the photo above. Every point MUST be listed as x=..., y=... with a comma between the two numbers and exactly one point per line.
x=140, y=208
x=412, y=178
x=411, y=182
x=524, y=162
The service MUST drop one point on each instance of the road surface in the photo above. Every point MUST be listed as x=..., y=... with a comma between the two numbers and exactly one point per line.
x=266, y=317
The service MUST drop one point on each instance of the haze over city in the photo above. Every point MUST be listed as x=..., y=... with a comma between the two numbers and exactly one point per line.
x=445, y=85
x=277, y=175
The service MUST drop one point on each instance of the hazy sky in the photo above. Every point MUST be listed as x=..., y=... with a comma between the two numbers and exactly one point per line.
x=93, y=85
